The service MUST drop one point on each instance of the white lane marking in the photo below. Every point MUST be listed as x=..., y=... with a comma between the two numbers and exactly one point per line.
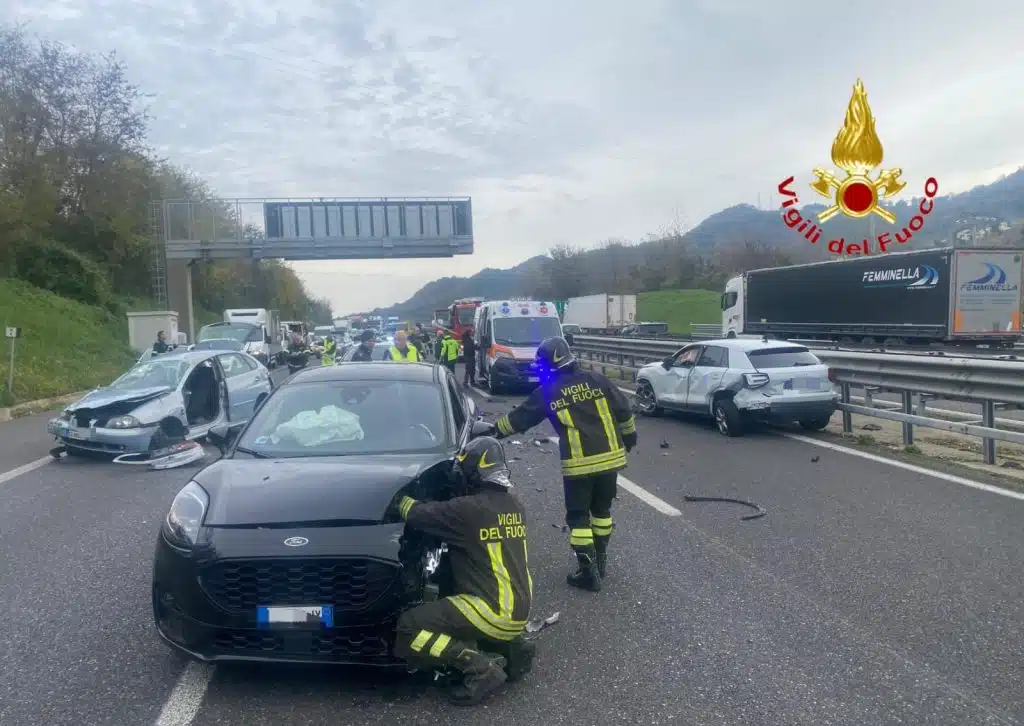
x=486, y=396
x=186, y=698
x=14, y=473
x=645, y=496
x=909, y=467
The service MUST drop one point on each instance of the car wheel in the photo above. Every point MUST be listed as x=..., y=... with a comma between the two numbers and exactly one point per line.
x=727, y=418
x=647, y=399
x=815, y=424
x=491, y=385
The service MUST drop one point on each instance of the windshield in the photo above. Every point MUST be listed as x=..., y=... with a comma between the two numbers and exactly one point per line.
x=345, y=418
x=154, y=373
x=782, y=357
x=241, y=332
x=466, y=315
x=525, y=331
x=218, y=344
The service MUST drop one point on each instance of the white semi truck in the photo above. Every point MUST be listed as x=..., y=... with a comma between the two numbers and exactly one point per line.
x=600, y=312
x=268, y=351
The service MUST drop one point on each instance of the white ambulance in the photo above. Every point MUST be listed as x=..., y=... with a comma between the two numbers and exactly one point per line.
x=507, y=334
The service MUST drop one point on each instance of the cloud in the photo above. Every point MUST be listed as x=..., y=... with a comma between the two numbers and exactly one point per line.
x=566, y=122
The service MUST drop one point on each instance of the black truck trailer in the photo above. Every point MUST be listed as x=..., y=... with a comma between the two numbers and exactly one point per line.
x=956, y=296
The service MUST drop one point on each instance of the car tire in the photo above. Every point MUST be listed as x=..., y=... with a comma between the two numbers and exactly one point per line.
x=647, y=399
x=728, y=420
x=492, y=387
x=815, y=424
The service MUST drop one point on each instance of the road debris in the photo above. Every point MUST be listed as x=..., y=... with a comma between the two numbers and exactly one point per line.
x=757, y=515
x=535, y=626
x=665, y=444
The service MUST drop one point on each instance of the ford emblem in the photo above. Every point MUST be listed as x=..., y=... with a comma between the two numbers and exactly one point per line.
x=296, y=541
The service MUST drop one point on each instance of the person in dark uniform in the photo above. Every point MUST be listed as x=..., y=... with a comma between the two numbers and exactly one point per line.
x=596, y=429
x=161, y=345
x=364, y=353
x=478, y=631
x=469, y=355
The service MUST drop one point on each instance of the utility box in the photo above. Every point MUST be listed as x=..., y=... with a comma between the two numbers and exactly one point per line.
x=143, y=327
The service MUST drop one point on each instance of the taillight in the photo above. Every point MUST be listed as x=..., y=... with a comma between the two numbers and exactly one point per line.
x=756, y=380
x=833, y=376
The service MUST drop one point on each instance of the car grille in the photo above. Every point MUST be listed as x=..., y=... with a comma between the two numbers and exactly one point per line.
x=350, y=584
x=357, y=645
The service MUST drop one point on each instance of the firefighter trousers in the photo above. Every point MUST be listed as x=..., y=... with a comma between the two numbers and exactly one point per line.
x=588, y=511
x=435, y=633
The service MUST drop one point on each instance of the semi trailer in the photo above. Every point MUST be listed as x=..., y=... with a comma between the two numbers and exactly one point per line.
x=956, y=296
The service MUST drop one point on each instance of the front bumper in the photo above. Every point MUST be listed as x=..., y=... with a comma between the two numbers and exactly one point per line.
x=205, y=602
x=506, y=372
x=102, y=440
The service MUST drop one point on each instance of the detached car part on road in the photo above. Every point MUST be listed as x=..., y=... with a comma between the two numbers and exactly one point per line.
x=167, y=399
x=285, y=550
x=738, y=381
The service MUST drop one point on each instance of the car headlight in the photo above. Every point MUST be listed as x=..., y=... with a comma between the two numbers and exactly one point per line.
x=185, y=517
x=504, y=354
x=123, y=422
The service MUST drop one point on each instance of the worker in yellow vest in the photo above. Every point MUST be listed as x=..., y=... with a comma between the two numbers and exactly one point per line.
x=401, y=351
x=449, y=351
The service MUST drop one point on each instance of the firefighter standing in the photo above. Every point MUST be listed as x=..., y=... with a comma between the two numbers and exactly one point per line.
x=478, y=630
x=330, y=353
x=401, y=351
x=449, y=351
x=364, y=352
x=595, y=429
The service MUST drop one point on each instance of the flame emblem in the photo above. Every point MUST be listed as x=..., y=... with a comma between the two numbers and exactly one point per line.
x=857, y=150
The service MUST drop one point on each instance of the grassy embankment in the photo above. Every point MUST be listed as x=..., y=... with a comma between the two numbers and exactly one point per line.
x=679, y=308
x=66, y=346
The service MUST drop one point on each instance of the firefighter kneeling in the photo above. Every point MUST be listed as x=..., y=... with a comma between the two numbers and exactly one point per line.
x=478, y=631
x=596, y=429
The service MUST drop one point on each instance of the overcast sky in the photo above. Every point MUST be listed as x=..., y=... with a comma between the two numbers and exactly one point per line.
x=567, y=122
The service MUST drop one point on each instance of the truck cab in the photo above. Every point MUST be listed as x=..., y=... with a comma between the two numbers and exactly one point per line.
x=732, y=308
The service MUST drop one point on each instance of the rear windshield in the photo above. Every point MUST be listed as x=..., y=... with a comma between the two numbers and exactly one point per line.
x=782, y=357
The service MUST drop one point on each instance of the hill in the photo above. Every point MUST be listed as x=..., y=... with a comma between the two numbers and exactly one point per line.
x=737, y=238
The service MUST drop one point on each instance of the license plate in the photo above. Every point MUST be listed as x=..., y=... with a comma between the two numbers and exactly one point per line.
x=534, y=379
x=758, y=405
x=79, y=434
x=802, y=384
x=322, y=615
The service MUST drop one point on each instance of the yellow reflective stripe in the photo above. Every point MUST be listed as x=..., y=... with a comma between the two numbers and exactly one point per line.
x=505, y=426
x=405, y=505
x=526, y=562
x=506, y=597
x=574, y=468
x=618, y=454
x=575, y=445
x=610, y=430
x=481, y=617
x=420, y=640
x=602, y=526
x=439, y=645
x=628, y=426
x=581, y=537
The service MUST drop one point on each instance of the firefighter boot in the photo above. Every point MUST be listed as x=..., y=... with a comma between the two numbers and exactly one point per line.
x=481, y=676
x=601, y=546
x=587, y=576
x=518, y=655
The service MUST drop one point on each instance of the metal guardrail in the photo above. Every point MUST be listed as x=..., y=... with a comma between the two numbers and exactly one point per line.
x=915, y=377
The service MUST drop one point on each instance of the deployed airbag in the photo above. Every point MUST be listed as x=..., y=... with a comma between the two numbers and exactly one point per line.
x=315, y=428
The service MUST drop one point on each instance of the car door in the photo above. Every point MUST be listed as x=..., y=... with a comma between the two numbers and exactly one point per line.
x=674, y=382
x=244, y=384
x=706, y=376
x=460, y=418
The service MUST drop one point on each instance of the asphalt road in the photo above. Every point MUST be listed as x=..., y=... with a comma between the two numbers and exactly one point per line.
x=869, y=594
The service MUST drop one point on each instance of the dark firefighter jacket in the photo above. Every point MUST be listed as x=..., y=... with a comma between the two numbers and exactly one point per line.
x=486, y=537
x=362, y=354
x=591, y=416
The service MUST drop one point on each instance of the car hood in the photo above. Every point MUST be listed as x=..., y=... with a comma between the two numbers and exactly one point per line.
x=106, y=396
x=357, y=489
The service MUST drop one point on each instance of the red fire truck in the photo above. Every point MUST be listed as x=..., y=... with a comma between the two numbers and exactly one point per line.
x=461, y=314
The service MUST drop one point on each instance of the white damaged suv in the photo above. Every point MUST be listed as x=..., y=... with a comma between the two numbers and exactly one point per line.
x=737, y=381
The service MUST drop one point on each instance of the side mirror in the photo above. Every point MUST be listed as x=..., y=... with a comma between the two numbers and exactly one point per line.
x=481, y=428
x=667, y=363
x=223, y=435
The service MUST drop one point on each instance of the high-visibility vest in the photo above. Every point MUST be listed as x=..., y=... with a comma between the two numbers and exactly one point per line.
x=411, y=354
x=450, y=349
x=330, y=351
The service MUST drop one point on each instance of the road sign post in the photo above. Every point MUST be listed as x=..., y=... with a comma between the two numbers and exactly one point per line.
x=12, y=334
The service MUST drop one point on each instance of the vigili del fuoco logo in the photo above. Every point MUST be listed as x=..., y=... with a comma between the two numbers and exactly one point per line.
x=857, y=151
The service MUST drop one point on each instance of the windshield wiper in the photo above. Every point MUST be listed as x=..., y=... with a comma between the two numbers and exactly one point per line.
x=250, y=452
